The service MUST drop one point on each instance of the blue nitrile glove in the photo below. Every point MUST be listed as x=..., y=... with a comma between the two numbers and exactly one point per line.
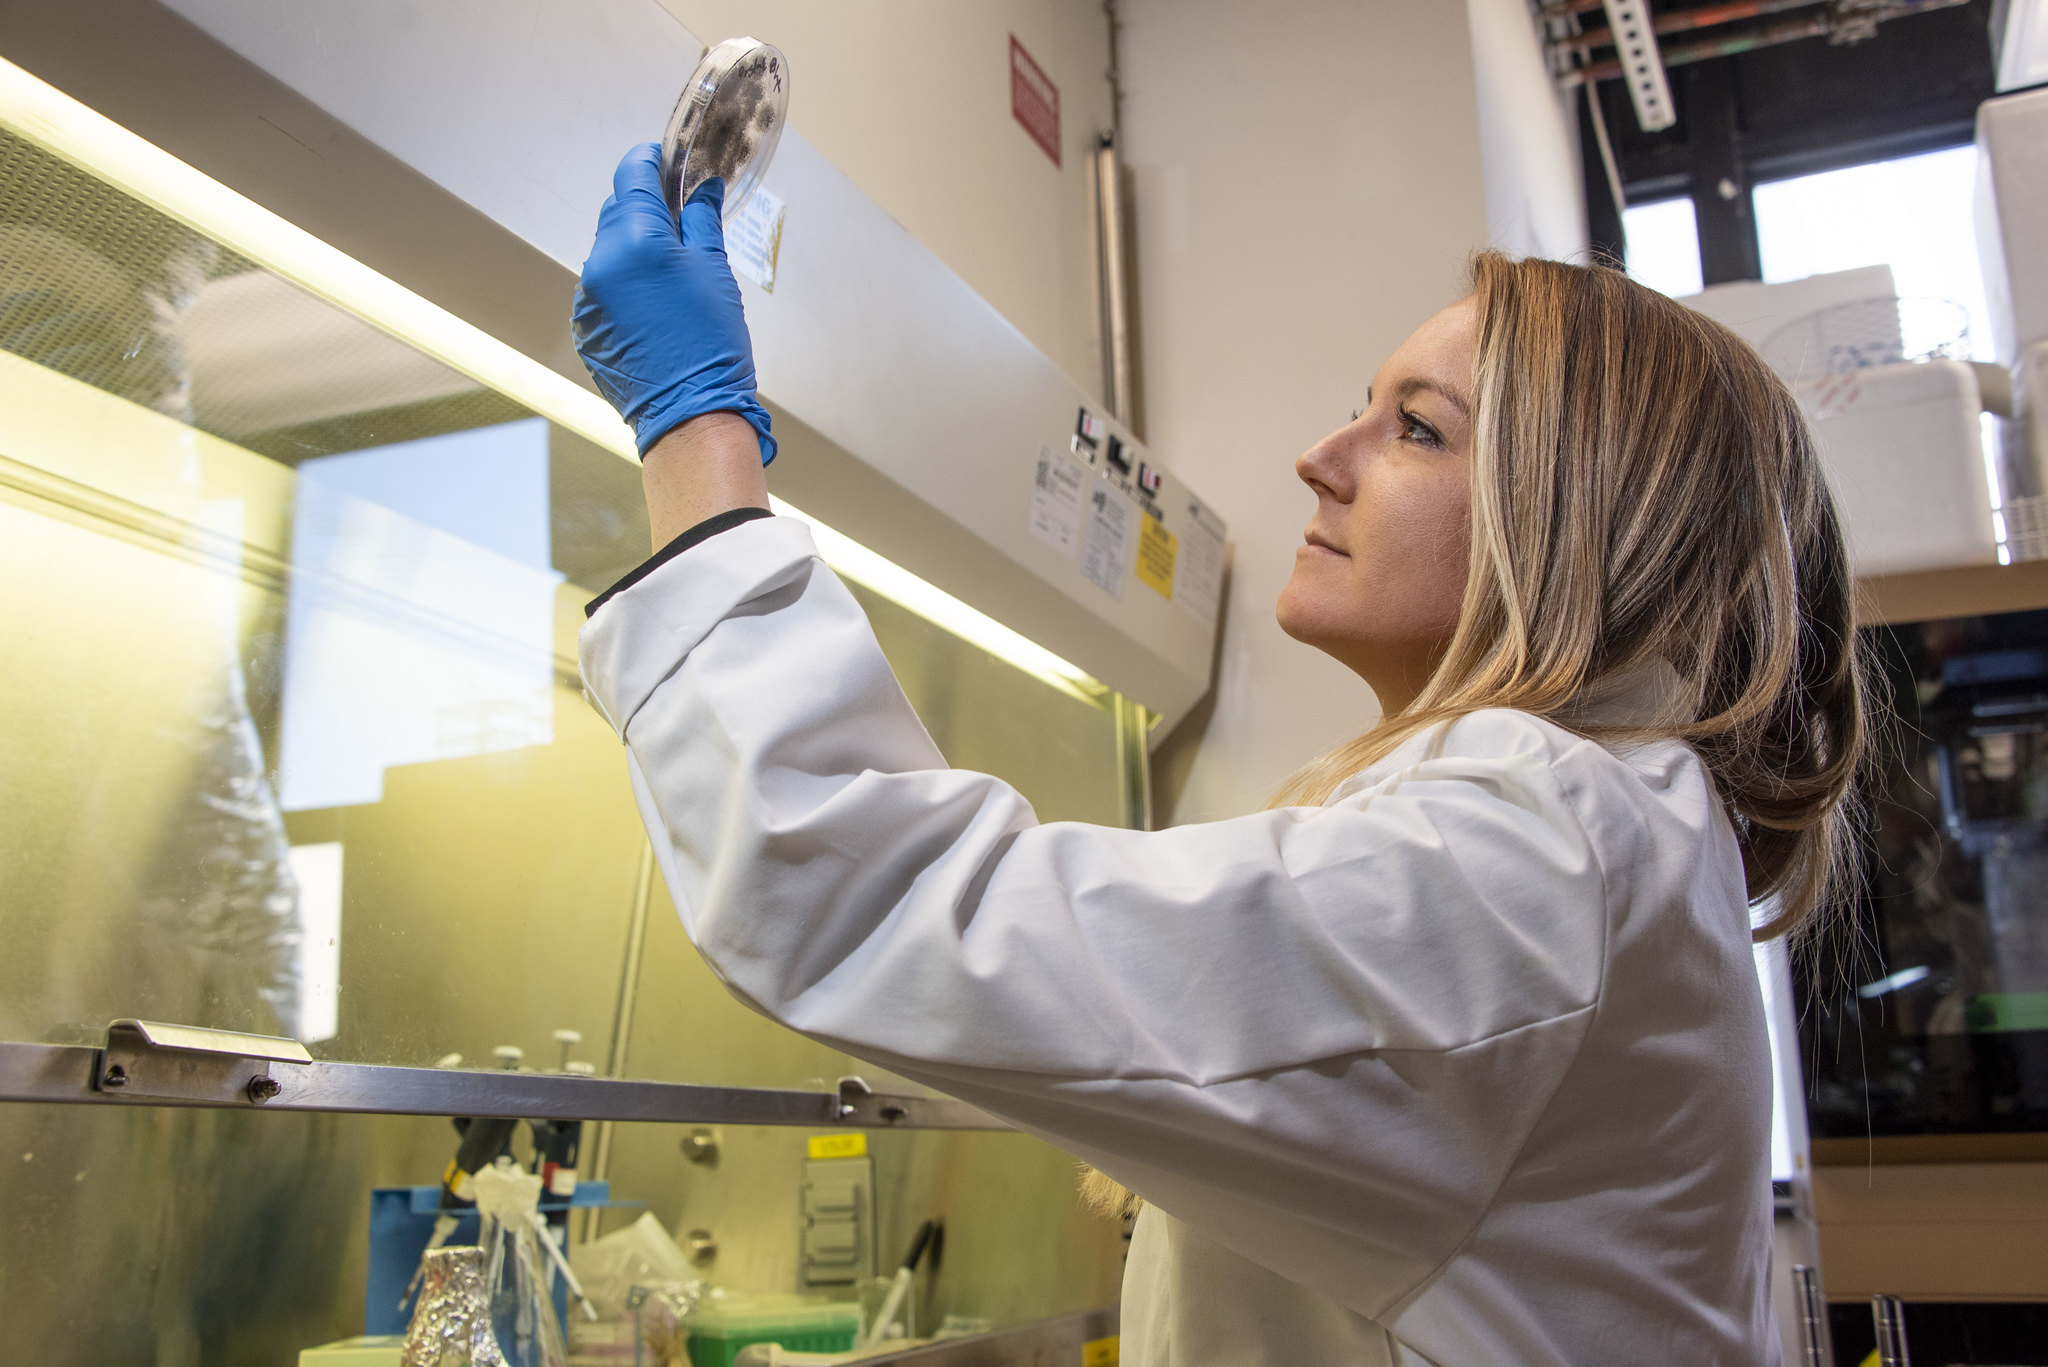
x=657, y=315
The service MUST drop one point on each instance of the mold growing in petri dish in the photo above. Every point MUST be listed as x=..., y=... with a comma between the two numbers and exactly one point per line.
x=727, y=122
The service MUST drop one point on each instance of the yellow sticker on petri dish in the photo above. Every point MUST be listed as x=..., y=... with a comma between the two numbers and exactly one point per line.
x=839, y=1145
x=1157, y=550
x=1101, y=1352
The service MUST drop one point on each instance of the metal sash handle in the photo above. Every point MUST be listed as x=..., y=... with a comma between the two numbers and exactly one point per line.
x=157, y=1060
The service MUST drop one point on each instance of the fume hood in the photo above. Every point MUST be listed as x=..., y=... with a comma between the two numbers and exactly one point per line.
x=298, y=751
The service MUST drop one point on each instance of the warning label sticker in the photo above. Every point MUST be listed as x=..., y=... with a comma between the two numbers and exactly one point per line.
x=1200, y=590
x=1056, y=502
x=838, y=1145
x=1034, y=101
x=1106, y=550
x=1157, y=550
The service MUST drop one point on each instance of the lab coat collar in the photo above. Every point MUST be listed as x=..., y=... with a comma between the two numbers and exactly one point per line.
x=1647, y=694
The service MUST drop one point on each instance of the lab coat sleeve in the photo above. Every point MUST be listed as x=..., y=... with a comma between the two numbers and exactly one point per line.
x=1289, y=1016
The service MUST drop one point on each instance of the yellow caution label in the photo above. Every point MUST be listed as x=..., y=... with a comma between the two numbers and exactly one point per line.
x=1101, y=1352
x=1158, y=549
x=853, y=1145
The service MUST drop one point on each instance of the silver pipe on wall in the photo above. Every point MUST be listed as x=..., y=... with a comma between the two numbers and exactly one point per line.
x=1109, y=238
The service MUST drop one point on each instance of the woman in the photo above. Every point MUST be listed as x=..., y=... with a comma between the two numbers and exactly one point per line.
x=1458, y=1057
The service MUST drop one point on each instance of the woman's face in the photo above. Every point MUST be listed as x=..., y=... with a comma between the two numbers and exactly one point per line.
x=1380, y=576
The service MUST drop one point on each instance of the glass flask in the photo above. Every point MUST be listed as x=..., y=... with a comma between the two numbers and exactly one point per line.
x=452, y=1325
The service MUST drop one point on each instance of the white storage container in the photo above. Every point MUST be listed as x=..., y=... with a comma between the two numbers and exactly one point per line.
x=2012, y=218
x=1905, y=458
x=1756, y=312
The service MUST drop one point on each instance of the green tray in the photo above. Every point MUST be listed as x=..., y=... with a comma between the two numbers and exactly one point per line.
x=718, y=1332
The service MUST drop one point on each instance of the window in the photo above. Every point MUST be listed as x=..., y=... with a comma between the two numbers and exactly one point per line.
x=1663, y=245
x=1914, y=214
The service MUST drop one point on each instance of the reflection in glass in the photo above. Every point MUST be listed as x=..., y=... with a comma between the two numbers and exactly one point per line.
x=316, y=869
x=1941, y=1025
x=313, y=588
x=421, y=624
x=292, y=742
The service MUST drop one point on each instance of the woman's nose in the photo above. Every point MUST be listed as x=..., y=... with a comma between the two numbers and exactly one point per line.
x=1326, y=466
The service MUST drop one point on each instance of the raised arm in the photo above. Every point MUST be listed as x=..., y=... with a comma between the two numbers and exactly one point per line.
x=1205, y=1013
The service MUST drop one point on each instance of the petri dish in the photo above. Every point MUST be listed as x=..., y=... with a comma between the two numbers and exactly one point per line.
x=726, y=123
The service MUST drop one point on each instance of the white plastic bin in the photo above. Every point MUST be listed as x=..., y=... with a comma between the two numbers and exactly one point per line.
x=1905, y=458
x=2012, y=218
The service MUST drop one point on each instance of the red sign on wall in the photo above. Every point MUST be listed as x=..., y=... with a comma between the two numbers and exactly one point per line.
x=1034, y=100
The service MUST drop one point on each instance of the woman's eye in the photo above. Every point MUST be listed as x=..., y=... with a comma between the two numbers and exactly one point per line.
x=1414, y=428
x=1357, y=413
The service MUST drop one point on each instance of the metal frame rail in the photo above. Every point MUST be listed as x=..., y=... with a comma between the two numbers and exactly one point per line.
x=149, y=1064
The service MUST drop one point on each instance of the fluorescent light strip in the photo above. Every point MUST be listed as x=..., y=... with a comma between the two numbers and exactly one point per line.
x=856, y=562
x=67, y=129
x=76, y=133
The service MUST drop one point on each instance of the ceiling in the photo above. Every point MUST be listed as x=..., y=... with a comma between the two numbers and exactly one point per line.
x=1813, y=104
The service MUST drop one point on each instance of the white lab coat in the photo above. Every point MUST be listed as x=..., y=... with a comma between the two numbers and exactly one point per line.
x=1467, y=1066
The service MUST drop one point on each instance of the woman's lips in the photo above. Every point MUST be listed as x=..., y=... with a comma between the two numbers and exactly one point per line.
x=1315, y=542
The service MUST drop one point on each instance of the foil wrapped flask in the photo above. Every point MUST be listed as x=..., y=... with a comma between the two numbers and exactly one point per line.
x=451, y=1326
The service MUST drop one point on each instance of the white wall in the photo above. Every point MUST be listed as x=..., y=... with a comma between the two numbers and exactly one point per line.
x=911, y=99
x=1308, y=185
x=1529, y=137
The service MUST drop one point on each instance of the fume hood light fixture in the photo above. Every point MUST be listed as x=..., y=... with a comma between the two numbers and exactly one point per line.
x=71, y=131
x=885, y=577
x=47, y=117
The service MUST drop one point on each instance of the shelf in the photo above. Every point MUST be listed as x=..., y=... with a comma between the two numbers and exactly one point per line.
x=1893, y=1149
x=1968, y=591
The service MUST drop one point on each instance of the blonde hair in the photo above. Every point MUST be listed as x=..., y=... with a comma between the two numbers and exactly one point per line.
x=1644, y=488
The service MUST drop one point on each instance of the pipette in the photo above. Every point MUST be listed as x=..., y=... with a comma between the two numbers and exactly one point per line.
x=899, y=1286
x=554, y=1252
